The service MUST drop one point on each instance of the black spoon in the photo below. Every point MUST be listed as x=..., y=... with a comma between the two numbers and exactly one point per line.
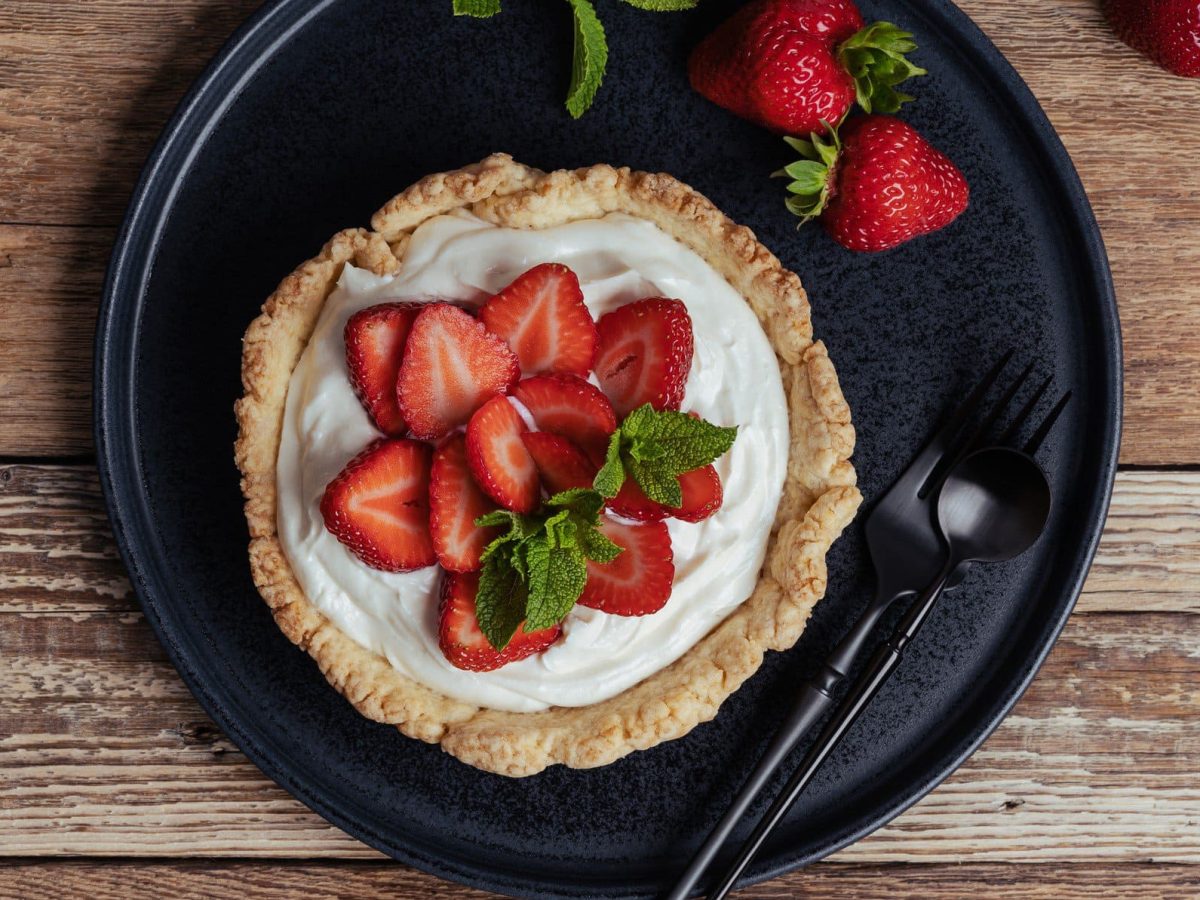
x=992, y=507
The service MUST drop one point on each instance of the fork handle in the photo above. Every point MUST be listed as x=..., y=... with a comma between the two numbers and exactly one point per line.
x=810, y=705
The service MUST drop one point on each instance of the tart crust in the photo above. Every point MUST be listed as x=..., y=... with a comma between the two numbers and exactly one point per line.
x=819, y=497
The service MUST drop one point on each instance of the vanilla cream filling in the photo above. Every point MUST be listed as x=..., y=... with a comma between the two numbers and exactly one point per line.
x=734, y=380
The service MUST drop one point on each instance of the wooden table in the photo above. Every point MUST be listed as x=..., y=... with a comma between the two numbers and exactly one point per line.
x=114, y=783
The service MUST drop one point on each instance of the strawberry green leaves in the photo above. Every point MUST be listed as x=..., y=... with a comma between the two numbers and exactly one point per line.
x=875, y=58
x=589, y=58
x=537, y=569
x=655, y=448
x=810, y=177
x=476, y=9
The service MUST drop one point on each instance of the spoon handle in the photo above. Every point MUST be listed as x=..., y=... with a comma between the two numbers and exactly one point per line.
x=864, y=688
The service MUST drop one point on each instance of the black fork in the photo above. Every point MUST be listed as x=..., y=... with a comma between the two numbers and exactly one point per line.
x=908, y=553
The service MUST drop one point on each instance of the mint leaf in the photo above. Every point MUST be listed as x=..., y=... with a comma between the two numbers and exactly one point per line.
x=658, y=484
x=478, y=9
x=684, y=443
x=583, y=502
x=597, y=547
x=519, y=528
x=663, y=5
x=500, y=601
x=611, y=476
x=589, y=58
x=557, y=575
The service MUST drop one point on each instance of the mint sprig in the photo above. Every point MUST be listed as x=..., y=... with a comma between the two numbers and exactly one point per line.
x=536, y=571
x=656, y=447
x=589, y=58
x=589, y=54
x=476, y=9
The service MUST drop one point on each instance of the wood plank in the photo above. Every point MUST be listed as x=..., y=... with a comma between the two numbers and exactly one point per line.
x=85, y=87
x=57, y=553
x=104, y=752
x=50, y=282
x=835, y=881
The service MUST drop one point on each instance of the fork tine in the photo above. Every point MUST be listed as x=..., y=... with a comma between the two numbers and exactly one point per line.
x=1018, y=423
x=940, y=445
x=950, y=460
x=1032, y=445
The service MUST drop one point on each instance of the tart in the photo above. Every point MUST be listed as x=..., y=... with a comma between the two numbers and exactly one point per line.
x=748, y=561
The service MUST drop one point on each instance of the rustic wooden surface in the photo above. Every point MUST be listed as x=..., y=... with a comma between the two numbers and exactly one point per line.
x=114, y=783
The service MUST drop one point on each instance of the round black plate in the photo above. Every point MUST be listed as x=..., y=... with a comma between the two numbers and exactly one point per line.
x=312, y=116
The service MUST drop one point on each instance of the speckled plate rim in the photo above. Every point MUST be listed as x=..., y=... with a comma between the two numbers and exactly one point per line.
x=122, y=482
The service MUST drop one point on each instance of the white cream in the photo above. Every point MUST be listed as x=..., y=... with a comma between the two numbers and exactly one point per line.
x=734, y=380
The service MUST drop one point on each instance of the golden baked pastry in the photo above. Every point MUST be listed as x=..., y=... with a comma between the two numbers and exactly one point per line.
x=819, y=497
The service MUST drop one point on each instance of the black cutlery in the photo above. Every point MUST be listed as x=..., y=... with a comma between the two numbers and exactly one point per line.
x=908, y=553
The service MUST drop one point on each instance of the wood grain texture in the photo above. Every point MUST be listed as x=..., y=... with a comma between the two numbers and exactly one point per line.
x=824, y=881
x=104, y=752
x=86, y=86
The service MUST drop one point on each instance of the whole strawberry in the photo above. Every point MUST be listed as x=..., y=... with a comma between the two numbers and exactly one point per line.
x=1167, y=31
x=789, y=64
x=880, y=185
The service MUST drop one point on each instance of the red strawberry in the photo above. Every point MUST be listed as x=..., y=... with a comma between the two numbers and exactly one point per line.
x=645, y=354
x=638, y=582
x=702, y=496
x=880, y=185
x=464, y=644
x=1167, y=31
x=498, y=458
x=378, y=506
x=455, y=502
x=451, y=366
x=542, y=317
x=569, y=406
x=560, y=463
x=375, y=339
x=788, y=64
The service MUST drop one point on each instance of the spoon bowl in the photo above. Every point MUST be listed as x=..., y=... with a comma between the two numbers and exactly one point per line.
x=993, y=505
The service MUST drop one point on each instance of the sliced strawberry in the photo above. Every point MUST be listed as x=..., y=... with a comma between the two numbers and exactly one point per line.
x=375, y=339
x=542, y=317
x=638, y=582
x=378, y=506
x=702, y=494
x=569, y=406
x=498, y=458
x=464, y=644
x=561, y=464
x=645, y=354
x=455, y=502
x=451, y=366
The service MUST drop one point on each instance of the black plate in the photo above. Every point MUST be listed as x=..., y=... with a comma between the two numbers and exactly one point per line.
x=312, y=116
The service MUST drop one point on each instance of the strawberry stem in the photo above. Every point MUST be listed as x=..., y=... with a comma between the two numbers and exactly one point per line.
x=875, y=57
x=811, y=177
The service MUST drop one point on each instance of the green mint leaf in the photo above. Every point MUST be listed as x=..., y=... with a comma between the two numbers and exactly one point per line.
x=583, y=502
x=684, y=443
x=611, y=476
x=663, y=5
x=500, y=601
x=478, y=9
x=657, y=483
x=557, y=575
x=519, y=528
x=597, y=547
x=589, y=58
